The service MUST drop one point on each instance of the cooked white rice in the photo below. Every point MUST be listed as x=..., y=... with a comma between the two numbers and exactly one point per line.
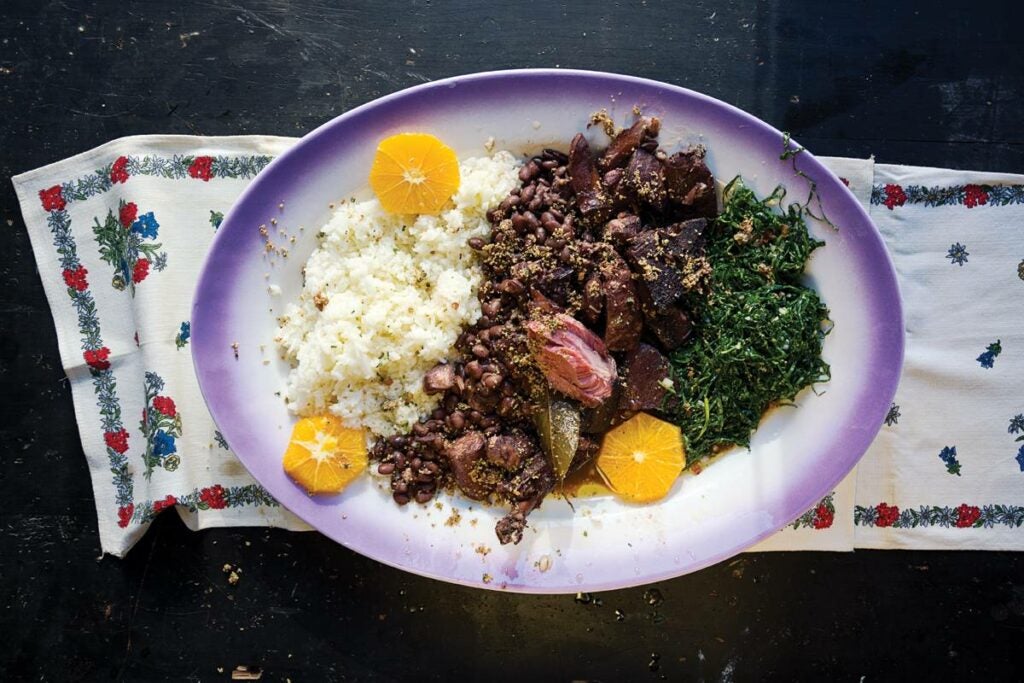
x=395, y=295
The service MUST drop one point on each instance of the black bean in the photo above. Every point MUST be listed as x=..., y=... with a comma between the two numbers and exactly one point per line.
x=481, y=351
x=424, y=496
x=512, y=286
x=520, y=223
x=474, y=369
x=535, y=204
x=386, y=468
x=528, y=170
x=507, y=406
x=400, y=461
x=483, y=321
x=456, y=420
x=527, y=193
x=438, y=414
x=397, y=441
x=548, y=164
x=415, y=463
x=399, y=486
x=420, y=429
x=541, y=235
x=491, y=307
x=531, y=219
x=424, y=477
x=400, y=498
x=492, y=380
x=431, y=467
x=475, y=417
x=476, y=243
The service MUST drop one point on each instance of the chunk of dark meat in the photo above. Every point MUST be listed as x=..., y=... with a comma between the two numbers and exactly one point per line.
x=508, y=451
x=625, y=143
x=541, y=304
x=439, y=378
x=661, y=281
x=555, y=284
x=463, y=455
x=690, y=185
x=644, y=180
x=686, y=238
x=573, y=359
x=610, y=181
x=528, y=488
x=671, y=326
x=594, y=204
x=624, y=322
x=599, y=420
x=645, y=369
x=620, y=230
x=593, y=300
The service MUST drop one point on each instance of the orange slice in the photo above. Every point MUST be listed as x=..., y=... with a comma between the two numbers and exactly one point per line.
x=414, y=173
x=323, y=455
x=641, y=458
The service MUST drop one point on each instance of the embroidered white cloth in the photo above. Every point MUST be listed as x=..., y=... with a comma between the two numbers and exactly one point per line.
x=120, y=234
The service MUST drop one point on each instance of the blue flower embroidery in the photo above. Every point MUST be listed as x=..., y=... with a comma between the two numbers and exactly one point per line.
x=146, y=225
x=987, y=359
x=894, y=415
x=1020, y=458
x=957, y=254
x=216, y=218
x=163, y=444
x=183, y=334
x=948, y=456
x=1016, y=424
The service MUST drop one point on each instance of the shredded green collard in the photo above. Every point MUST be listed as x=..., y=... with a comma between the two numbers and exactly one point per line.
x=758, y=335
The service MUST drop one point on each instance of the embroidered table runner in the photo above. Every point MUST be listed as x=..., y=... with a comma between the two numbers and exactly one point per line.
x=120, y=233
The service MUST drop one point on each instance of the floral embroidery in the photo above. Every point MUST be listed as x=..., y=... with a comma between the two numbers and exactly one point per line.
x=893, y=416
x=201, y=168
x=119, y=170
x=948, y=456
x=894, y=196
x=124, y=514
x=961, y=517
x=1020, y=458
x=214, y=497
x=1020, y=269
x=75, y=279
x=216, y=218
x=168, y=501
x=886, y=515
x=52, y=198
x=988, y=358
x=183, y=335
x=116, y=438
x=969, y=196
x=95, y=354
x=221, y=441
x=97, y=358
x=844, y=181
x=121, y=245
x=957, y=254
x=160, y=425
x=1016, y=425
x=820, y=516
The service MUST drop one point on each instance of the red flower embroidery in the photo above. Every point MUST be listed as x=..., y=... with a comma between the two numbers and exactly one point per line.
x=140, y=271
x=52, y=199
x=165, y=404
x=119, y=171
x=823, y=517
x=967, y=515
x=887, y=515
x=75, y=279
x=974, y=195
x=117, y=441
x=169, y=501
x=894, y=196
x=213, y=496
x=128, y=213
x=124, y=514
x=845, y=181
x=201, y=168
x=98, y=359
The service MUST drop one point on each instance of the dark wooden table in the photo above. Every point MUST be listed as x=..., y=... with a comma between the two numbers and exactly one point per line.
x=941, y=86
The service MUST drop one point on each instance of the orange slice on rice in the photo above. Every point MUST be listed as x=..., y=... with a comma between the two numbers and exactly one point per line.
x=414, y=173
x=323, y=455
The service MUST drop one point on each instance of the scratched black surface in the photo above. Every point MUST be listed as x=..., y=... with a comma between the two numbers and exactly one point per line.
x=942, y=86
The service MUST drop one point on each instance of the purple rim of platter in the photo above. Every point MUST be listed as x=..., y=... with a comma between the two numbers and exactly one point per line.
x=231, y=251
